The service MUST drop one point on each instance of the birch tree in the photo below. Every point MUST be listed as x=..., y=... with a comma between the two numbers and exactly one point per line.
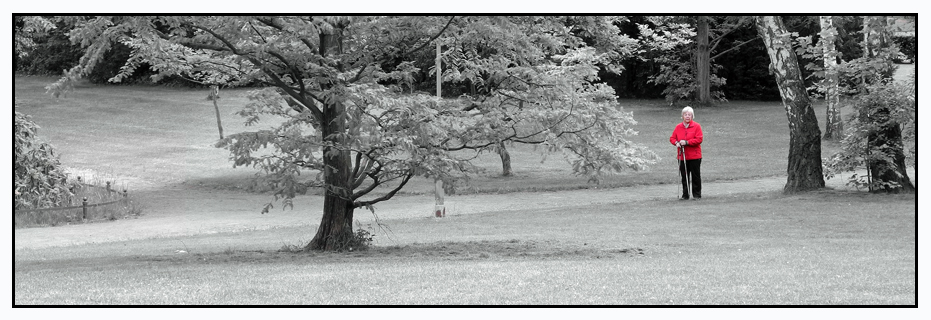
x=833, y=128
x=804, y=167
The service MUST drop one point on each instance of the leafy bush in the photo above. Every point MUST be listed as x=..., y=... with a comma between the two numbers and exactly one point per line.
x=39, y=180
x=361, y=240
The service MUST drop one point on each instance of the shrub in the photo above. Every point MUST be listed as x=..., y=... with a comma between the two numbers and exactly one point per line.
x=39, y=180
x=361, y=240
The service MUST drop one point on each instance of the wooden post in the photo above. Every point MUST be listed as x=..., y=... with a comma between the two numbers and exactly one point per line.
x=439, y=210
x=84, y=207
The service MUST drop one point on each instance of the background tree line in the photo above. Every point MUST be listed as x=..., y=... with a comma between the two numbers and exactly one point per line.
x=743, y=69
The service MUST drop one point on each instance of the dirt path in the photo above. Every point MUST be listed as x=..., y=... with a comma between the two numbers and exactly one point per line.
x=182, y=212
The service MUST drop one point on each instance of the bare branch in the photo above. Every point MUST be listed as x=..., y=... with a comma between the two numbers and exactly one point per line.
x=274, y=24
x=389, y=195
x=734, y=47
x=437, y=35
x=362, y=167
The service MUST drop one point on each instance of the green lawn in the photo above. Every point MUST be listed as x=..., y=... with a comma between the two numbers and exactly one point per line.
x=822, y=248
x=831, y=247
x=145, y=136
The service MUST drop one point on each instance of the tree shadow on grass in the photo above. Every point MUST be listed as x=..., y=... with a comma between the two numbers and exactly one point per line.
x=492, y=250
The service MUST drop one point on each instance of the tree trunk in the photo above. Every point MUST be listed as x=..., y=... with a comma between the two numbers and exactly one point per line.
x=887, y=138
x=703, y=63
x=804, y=168
x=505, y=160
x=833, y=127
x=335, y=231
x=214, y=96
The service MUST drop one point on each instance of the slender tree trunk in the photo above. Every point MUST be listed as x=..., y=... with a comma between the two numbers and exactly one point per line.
x=804, y=169
x=887, y=138
x=833, y=127
x=703, y=63
x=439, y=207
x=214, y=96
x=335, y=231
x=505, y=160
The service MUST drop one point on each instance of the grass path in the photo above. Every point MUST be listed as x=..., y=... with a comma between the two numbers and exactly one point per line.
x=185, y=212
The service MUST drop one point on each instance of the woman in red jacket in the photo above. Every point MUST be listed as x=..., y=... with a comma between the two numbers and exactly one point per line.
x=687, y=138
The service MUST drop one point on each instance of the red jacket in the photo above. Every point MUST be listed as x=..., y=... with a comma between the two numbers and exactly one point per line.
x=692, y=135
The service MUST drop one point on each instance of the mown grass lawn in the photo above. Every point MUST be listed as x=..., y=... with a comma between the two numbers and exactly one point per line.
x=144, y=136
x=826, y=248
x=821, y=248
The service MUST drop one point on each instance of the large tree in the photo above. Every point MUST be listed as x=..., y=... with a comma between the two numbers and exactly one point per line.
x=708, y=40
x=804, y=169
x=686, y=48
x=347, y=129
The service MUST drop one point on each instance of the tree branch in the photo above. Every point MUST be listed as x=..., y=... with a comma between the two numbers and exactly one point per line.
x=357, y=204
x=362, y=167
x=734, y=47
x=290, y=91
x=271, y=23
x=438, y=34
x=227, y=43
x=276, y=80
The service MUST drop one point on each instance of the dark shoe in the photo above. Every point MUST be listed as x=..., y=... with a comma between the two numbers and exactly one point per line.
x=684, y=198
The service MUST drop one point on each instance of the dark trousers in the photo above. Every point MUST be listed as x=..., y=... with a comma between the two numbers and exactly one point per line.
x=694, y=171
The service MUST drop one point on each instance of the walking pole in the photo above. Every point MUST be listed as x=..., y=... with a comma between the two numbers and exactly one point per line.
x=688, y=178
x=679, y=151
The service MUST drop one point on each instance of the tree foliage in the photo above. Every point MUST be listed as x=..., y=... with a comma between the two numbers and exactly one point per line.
x=887, y=104
x=42, y=46
x=883, y=123
x=671, y=43
x=743, y=68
